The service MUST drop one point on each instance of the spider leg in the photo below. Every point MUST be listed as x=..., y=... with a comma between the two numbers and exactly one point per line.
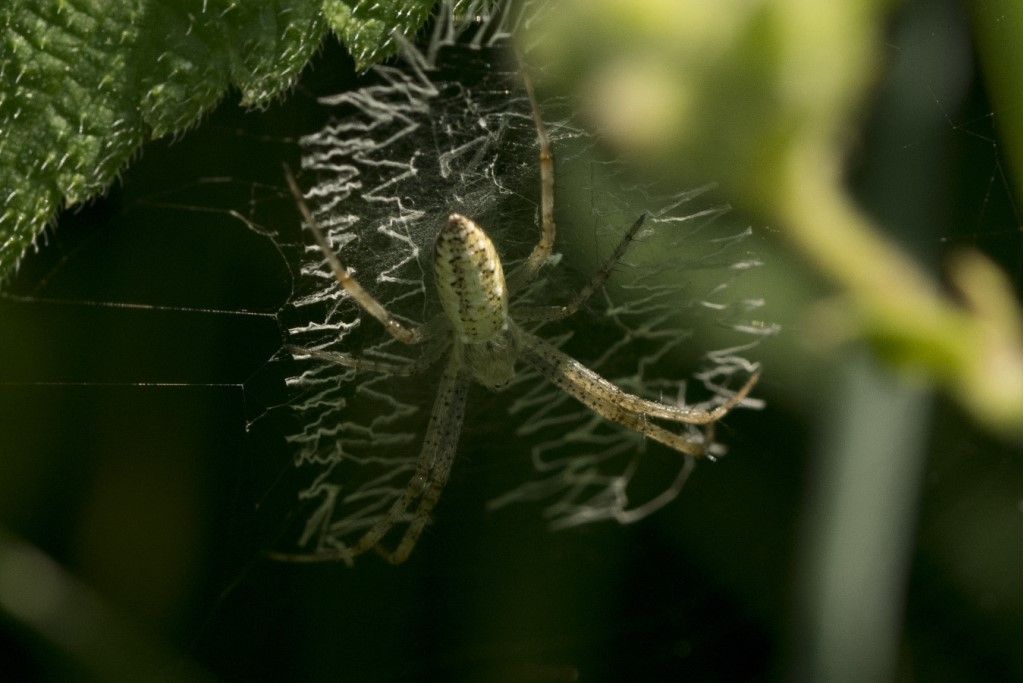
x=550, y=313
x=613, y=403
x=434, y=462
x=407, y=369
x=542, y=250
x=406, y=335
x=438, y=479
x=612, y=412
x=356, y=362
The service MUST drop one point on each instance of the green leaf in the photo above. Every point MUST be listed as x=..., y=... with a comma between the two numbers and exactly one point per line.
x=367, y=27
x=84, y=83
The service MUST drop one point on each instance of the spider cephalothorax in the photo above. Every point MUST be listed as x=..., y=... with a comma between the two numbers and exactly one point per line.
x=481, y=336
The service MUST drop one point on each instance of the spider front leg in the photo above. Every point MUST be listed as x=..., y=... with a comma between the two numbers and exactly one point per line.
x=551, y=313
x=406, y=335
x=546, y=244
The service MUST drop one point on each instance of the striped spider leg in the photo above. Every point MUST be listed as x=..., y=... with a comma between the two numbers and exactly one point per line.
x=484, y=339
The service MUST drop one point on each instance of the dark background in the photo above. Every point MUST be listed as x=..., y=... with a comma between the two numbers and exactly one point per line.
x=141, y=453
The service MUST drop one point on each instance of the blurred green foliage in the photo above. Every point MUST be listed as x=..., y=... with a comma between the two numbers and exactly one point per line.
x=765, y=98
x=148, y=494
x=997, y=31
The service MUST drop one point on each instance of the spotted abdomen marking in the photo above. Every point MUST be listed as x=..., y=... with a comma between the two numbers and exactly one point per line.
x=470, y=281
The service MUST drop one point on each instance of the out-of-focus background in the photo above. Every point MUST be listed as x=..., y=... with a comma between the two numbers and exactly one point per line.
x=866, y=525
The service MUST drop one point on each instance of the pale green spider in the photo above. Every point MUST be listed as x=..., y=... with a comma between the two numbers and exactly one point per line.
x=483, y=339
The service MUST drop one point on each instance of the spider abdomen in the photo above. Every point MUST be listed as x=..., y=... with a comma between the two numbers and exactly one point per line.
x=470, y=281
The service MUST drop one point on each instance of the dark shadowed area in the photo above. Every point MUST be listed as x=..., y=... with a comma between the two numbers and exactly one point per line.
x=144, y=470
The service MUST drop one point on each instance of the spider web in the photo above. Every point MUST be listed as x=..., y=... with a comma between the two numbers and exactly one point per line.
x=155, y=432
x=448, y=129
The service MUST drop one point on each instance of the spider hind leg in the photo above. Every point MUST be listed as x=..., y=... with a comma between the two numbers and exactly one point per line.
x=433, y=465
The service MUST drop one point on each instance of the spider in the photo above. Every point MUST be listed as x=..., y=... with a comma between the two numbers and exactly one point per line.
x=483, y=337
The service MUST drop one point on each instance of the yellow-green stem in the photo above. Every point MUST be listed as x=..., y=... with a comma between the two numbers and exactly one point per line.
x=973, y=349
